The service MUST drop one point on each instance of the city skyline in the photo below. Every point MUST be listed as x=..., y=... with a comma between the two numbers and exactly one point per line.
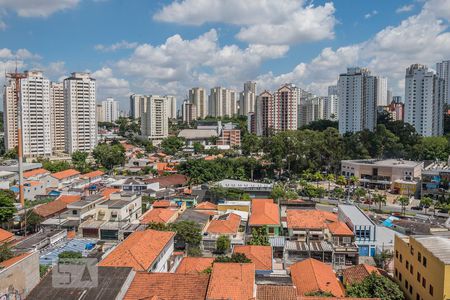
x=206, y=48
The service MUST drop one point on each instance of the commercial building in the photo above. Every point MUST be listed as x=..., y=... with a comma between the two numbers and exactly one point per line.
x=357, y=92
x=110, y=109
x=285, y=106
x=435, y=179
x=154, y=121
x=443, y=72
x=247, y=100
x=80, y=108
x=422, y=267
x=57, y=116
x=424, y=100
x=264, y=113
x=197, y=96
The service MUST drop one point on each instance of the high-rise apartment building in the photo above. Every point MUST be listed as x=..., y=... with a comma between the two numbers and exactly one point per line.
x=382, y=92
x=223, y=102
x=57, y=117
x=99, y=113
x=80, y=112
x=110, y=109
x=312, y=109
x=357, y=93
x=424, y=100
x=197, y=96
x=171, y=107
x=285, y=106
x=188, y=111
x=10, y=115
x=154, y=121
x=264, y=113
x=443, y=72
x=331, y=104
x=247, y=99
x=136, y=104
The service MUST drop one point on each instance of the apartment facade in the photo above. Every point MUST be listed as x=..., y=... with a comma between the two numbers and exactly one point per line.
x=188, y=111
x=247, y=100
x=264, y=113
x=222, y=102
x=137, y=102
x=80, y=108
x=331, y=104
x=171, y=107
x=285, y=106
x=443, y=72
x=154, y=121
x=424, y=100
x=197, y=96
x=110, y=109
x=57, y=115
x=357, y=92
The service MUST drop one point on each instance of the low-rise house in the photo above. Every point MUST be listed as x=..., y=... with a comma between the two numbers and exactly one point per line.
x=277, y=292
x=261, y=256
x=147, y=251
x=170, y=181
x=254, y=189
x=232, y=281
x=206, y=207
x=135, y=185
x=31, y=189
x=358, y=273
x=56, y=207
x=7, y=178
x=194, y=265
x=19, y=275
x=264, y=212
x=159, y=215
x=92, y=177
x=227, y=224
x=36, y=174
x=6, y=236
x=196, y=216
x=84, y=209
x=63, y=178
x=311, y=276
x=40, y=240
x=202, y=136
x=234, y=205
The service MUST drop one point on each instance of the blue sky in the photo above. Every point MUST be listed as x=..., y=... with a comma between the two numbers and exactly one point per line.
x=165, y=47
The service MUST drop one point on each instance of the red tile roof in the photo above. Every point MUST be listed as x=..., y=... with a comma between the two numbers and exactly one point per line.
x=206, y=205
x=334, y=298
x=11, y=261
x=158, y=215
x=358, y=273
x=339, y=228
x=5, y=236
x=51, y=208
x=311, y=275
x=139, y=250
x=92, y=174
x=161, y=204
x=264, y=212
x=35, y=172
x=309, y=219
x=228, y=226
x=194, y=265
x=69, y=198
x=166, y=181
x=276, y=292
x=232, y=281
x=108, y=191
x=261, y=256
x=65, y=174
x=167, y=286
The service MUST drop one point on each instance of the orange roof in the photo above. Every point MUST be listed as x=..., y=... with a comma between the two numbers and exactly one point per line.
x=261, y=256
x=276, y=292
x=231, y=281
x=51, y=208
x=35, y=172
x=167, y=286
x=65, y=174
x=339, y=228
x=9, y=262
x=211, y=157
x=230, y=225
x=108, y=191
x=194, y=265
x=71, y=234
x=69, y=198
x=206, y=205
x=161, y=204
x=311, y=275
x=32, y=183
x=5, y=236
x=333, y=298
x=264, y=212
x=158, y=215
x=358, y=273
x=139, y=250
x=92, y=174
x=312, y=219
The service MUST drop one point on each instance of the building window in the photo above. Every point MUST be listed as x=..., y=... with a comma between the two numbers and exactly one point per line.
x=431, y=290
x=406, y=284
x=411, y=269
x=400, y=276
x=410, y=289
x=396, y=253
x=419, y=257
x=418, y=277
x=424, y=261
x=417, y=296
x=407, y=264
x=424, y=282
x=401, y=258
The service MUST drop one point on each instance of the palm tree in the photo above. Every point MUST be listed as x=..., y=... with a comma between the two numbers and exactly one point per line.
x=359, y=193
x=340, y=180
x=307, y=175
x=404, y=202
x=330, y=178
x=426, y=202
x=317, y=176
x=379, y=199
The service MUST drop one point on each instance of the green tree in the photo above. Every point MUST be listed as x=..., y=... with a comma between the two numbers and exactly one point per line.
x=198, y=148
x=223, y=244
x=55, y=166
x=383, y=259
x=172, y=144
x=70, y=255
x=235, y=258
x=330, y=178
x=5, y=253
x=79, y=161
x=194, y=252
x=158, y=226
x=33, y=220
x=426, y=202
x=404, y=202
x=188, y=232
x=250, y=144
x=11, y=154
x=376, y=286
x=109, y=155
x=260, y=236
x=432, y=148
x=379, y=199
x=359, y=193
x=7, y=208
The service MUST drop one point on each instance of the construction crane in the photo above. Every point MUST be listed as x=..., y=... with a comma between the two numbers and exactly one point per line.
x=17, y=77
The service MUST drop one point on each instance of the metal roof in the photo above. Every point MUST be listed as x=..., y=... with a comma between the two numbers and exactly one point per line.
x=439, y=246
x=355, y=215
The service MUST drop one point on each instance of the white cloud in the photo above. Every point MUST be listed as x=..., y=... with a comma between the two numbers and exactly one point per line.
x=405, y=8
x=371, y=14
x=34, y=8
x=116, y=46
x=2, y=25
x=110, y=86
x=261, y=21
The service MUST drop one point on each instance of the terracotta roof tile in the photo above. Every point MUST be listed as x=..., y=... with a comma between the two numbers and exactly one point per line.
x=358, y=273
x=227, y=226
x=194, y=265
x=334, y=298
x=339, y=228
x=264, y=212
x=161, y=204
x=139, y=250
x=166, y=181
x=167, y=286
x=69, y=198
x=311, y=275
x=65, y=174
x=5, y=236
x=206, y=205
x=35, y=172
x=92, y=174
x=158, y=215
x=108, y=191
x=51, y=208
x=11, y=261
x=276, y=292
x=261, y=256
x=231, y=281
x=312, y=219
